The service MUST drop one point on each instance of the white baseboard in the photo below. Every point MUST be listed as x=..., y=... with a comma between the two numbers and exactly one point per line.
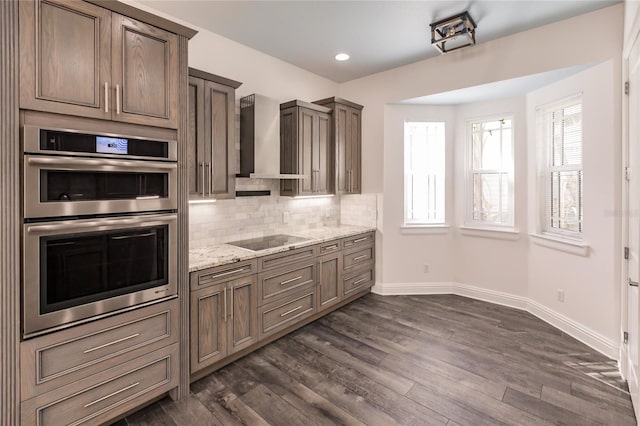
x=576, y=330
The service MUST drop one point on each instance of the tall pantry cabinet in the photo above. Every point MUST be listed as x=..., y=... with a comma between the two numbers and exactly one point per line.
x=106, y=65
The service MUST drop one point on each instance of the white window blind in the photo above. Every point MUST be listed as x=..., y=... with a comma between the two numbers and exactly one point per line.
x=490, y=199
x=561, y=136
x=424, y=168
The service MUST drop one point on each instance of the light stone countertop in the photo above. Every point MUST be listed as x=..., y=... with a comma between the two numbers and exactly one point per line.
x=222, y=254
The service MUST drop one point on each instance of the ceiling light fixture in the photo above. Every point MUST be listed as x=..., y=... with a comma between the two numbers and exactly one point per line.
x=342, y=57
x=453, y=33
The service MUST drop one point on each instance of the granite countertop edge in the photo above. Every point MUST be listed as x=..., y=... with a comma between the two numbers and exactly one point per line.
x=223, y=254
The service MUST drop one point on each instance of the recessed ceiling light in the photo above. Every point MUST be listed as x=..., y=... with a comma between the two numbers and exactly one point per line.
x=342, y=57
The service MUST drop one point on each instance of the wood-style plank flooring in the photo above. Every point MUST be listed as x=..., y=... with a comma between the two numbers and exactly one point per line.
x=411, y=360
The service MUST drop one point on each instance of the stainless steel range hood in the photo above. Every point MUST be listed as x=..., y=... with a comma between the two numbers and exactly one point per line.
x=260, y=139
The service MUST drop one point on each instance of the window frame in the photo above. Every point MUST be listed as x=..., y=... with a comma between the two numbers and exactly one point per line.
x=544, y=140
x=470, y=172
x=424, y=222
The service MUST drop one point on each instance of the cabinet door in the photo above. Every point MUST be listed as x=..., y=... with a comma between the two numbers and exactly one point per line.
x=289, y=150
x=243, y=326
x=341, y=129
x=353, y=151
x=324, y=155
x=65, y=57
x=195, y=159
x=209, y=316
x=144, y=73
x=307, y=143
x=330, y=280
x=219, y=137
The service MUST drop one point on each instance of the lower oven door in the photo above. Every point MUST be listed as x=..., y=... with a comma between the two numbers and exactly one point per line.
x=80, y=269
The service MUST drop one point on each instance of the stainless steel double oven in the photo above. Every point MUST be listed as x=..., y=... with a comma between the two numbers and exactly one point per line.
x=99, y=232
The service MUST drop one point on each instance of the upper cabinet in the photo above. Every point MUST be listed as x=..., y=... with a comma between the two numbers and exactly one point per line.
x=80, y=59
x=306, y=149
x=347, y=137
x=211, y=161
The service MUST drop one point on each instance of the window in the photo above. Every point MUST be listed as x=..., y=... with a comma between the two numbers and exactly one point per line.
x=560, y=134
x=491, y=173
x=424, y=166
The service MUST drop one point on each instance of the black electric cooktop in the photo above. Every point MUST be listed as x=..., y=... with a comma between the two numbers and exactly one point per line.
x=271, y=241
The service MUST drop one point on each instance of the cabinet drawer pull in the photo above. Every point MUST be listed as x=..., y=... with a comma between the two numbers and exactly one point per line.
x=106, y=97
x=117, y=99
x=291, y=311
x=224, y=274
x=112, y=343
x=355, y=259
x=361, y=280
x=333, y=247
x=112, y=394
x=291, y=280
x=359, y=240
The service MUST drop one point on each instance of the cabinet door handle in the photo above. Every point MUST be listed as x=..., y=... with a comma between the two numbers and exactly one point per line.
x=633, y=283
x=291, y=280
x=232, y=301
x=209, y=177
x=202, y=181
x=225, y=304
x=131, y=386
x=291, y=311
x=95, y=348
x=355, y=259
x=106, y=97
x=117, y=99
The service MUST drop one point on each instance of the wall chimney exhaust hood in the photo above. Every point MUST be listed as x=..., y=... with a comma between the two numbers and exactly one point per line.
x=260, y=138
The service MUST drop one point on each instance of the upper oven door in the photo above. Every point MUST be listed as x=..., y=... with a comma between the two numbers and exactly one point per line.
x=72, y=186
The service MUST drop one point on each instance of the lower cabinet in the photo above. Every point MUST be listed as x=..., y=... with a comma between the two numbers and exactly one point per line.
x=237, y=305
x=92, y=373
x=223, y=320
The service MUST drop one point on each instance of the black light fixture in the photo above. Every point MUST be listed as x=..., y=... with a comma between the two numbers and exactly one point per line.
x=454, y=32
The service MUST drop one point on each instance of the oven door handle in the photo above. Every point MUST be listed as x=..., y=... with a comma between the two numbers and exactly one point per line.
x=100, y=163
x=75, y=225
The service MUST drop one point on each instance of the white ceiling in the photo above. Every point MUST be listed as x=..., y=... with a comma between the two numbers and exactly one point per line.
x=379, y=35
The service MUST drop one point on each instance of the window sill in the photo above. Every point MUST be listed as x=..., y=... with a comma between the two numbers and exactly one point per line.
x=409, y=229
x=579, y=248
x=508, y=234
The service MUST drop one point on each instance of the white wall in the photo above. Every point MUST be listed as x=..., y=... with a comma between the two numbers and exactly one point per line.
x=490, y=261
x=404, y=255
x=591, y=284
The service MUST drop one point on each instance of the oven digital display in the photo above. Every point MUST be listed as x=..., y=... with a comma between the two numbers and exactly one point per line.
x=106, y=145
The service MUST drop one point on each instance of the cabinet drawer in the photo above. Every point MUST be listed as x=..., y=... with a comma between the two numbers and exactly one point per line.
x=330, y=247
x=277, y=283
x=357, y=239
x=104, y=396
x=287, y=258
x=356, y=257
x=359, y=281
x=54, y=360
x=279, y=315
x=223, y=273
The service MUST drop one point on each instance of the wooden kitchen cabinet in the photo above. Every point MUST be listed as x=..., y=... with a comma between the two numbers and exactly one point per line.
x=223, y=320
x=80, y=59
x=346, y=126
x=306, y=149
x=211, y=160
x=329, y=280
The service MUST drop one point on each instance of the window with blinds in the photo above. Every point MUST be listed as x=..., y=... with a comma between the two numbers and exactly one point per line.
x=561, y=136
x=424, y=168
x=490, y=199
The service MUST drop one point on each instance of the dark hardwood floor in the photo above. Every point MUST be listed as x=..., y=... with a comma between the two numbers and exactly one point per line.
x=411, y=360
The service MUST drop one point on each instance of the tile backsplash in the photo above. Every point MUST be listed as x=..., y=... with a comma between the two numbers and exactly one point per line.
x=252, y=217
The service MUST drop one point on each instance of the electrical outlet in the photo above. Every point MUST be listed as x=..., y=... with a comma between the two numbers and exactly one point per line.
x=285, y=217
x=560, y=295
x=425, y=268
